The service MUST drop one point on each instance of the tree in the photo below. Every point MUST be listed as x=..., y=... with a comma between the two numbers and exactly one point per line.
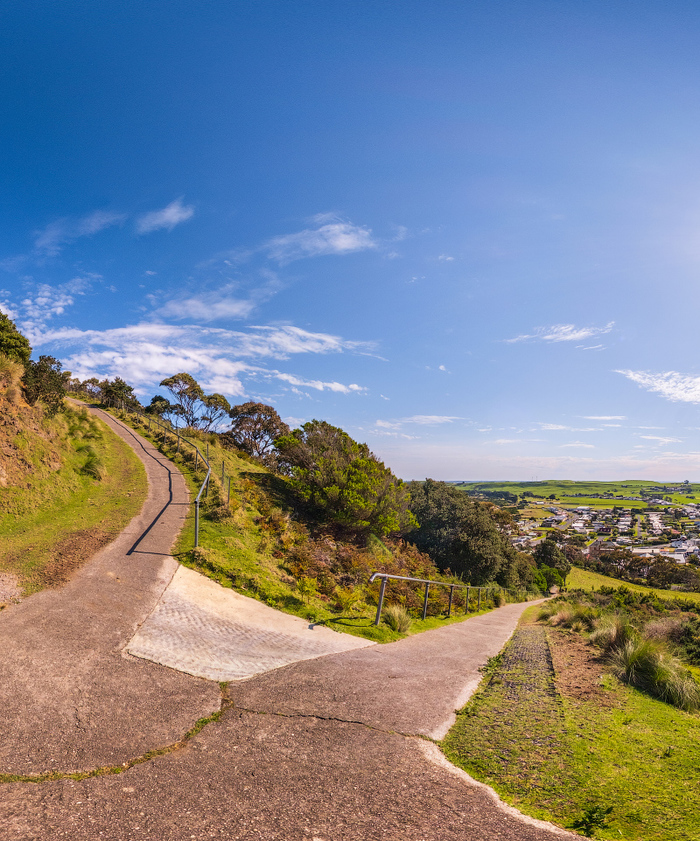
x=197, y=409
x=254, y=429
x=343, y=480
x=44, y=381
x=548, y=554
x=12, y=343
x=216, y=407
x=463, y=535
x=118, y=393
x=188, y=395
x=159, y=406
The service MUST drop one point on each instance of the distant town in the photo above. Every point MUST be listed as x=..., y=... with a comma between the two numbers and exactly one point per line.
x=649, y=520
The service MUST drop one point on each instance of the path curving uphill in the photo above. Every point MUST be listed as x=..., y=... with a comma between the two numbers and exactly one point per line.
x=337, y=747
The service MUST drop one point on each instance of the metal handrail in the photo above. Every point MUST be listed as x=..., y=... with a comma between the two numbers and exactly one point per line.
x=174, y=431
x=427, y=581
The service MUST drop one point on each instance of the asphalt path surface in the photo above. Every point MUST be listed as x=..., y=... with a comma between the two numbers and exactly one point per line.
x=337, y=747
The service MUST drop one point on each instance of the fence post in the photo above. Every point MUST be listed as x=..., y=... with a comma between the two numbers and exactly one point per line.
x=466, y=606
x=449, y=606
x=196, y=523
x=425, y=601
x=223, y=463
x=479, y=605
x=228, y=495
x=196, y=458
x=381, y=600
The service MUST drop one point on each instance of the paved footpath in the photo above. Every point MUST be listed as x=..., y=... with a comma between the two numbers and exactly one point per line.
x=327, y=748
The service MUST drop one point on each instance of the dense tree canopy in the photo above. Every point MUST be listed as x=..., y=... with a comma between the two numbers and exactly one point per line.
x=548, y=554
x=45, y=382
x=343, y=480
x=12, y=343
x=464, y=536
x=254, y=429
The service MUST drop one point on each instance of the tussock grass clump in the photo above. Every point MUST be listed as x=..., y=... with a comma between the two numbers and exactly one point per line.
x=397, y=618
x=577, y=617
x=647, y=664
x=93, y=466
x=612, y=631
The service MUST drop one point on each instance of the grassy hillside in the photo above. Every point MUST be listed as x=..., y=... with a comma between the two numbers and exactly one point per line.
x=261, y=544
x=583, y=579
x=67, y=486
x=576, y=492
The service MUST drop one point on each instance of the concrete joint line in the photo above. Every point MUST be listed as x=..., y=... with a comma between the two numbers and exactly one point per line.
x=106, y=770
x=338, y=721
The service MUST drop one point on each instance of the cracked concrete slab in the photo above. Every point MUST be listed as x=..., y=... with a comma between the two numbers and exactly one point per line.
x=203, y=629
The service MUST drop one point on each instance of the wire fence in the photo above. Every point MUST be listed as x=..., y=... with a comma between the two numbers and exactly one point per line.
x=488, y=590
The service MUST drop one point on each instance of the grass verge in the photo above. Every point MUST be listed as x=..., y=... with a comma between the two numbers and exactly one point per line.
x=61, y=514
x=580, y=749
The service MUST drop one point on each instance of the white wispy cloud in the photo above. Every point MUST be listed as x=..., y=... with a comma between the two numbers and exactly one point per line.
x=318, y=385
x=670, y=384
x=210, y=306
x=563, y=333
x=221, y=360
x=329, y=237
x=578, y=445
x=166, y=219
x=431, y=420
x=661, y=440
x=50, y=240
x=604, y=417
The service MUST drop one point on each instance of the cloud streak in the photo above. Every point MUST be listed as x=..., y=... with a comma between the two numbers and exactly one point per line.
x=166, y=219
x=333, y=237
x=50, y=240
x=563, y=333
x=674, y=386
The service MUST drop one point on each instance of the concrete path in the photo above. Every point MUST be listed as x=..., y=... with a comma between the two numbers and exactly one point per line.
x=326, y=748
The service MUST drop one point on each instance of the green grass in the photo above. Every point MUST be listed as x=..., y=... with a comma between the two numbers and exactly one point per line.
x=242, y=551
x=593, y=502
x=562, y=755
x=566, y=488
x=53, y=507
x=583, y=579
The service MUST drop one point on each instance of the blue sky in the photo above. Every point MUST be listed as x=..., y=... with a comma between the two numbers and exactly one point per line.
x=467, y=233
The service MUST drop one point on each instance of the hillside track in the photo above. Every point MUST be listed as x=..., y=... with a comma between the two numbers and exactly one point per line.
x=333, y=748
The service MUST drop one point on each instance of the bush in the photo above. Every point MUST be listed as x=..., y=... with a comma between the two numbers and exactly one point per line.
x=397, y=618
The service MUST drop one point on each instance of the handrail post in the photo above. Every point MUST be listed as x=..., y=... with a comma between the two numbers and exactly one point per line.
x=228, y=495
x=381, y=601
x=466, y=606
x=196, y=523
x=449, y=606
x=425, y=601
x=479, y=605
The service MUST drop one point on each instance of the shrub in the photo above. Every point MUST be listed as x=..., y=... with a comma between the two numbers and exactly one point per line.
x=397, y=618
x=347, y=598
